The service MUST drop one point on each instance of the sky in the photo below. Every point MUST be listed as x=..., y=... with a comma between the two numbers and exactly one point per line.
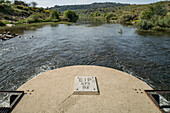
x=51, y=3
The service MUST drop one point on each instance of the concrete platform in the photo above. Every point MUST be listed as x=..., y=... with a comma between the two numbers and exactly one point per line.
x=52, y=92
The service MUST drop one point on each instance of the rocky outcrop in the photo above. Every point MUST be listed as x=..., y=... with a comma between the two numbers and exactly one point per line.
x=7, y=35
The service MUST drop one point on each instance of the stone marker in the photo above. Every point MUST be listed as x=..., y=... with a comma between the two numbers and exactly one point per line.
x=85, y=86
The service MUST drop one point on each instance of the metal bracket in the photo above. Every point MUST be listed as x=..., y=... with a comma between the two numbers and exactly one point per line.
x=9, y=99
x=154, y=95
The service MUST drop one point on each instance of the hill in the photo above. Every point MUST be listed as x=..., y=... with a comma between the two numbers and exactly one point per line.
x=87, y=6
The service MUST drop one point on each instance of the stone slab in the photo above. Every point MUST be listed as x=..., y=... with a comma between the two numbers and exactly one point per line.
x=85, y=86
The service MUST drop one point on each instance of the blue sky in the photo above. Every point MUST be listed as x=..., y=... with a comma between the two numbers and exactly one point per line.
x=50, y=3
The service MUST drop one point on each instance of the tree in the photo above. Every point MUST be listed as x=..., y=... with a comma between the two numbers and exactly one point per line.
x=71, y=15
x=20, y=3
x=34, y=4
x=109, y=16
x=54, y=14
x=126, y=18
x=2, y=24
x=33, y=18
x=2, y=1
x=145, y=24
x=160, y=10
x=8, y=2
x=157, y=9
x=96, y=14
x=167, y=20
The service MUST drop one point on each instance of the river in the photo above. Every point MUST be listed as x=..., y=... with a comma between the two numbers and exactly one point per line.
x=40, y=49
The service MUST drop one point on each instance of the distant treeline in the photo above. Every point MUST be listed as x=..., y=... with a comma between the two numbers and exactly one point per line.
x=87, y=6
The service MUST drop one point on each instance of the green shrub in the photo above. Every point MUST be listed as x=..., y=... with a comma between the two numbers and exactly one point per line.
x=64, y=19
x=105, y=14
x=113, y=18
x=146, y=15
x=20, y=7
x=6, y=9
x=8, y=2
x=96, y=14
x=157, y=9
x=7, y=22
x=1, y=6
x=109, y=16
x=7, y=18
x=47, y=11
x=158, y=21
x=2, y=24
x=32, y=8
x=55, y=20
x=30, y=20
x=145, y=24
x=161, y=21
x=33, y=18
x=126, y=18
x=25, y=8
x=2, y=1
x=21, y=21
x=160, y=9
x=47, y=20
x=41, y=9
x=18, y=2
x=54, y=14
x=167, y=20
x=71, y=15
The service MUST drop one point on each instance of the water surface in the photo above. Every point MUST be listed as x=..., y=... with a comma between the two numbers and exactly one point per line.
x=145, y=56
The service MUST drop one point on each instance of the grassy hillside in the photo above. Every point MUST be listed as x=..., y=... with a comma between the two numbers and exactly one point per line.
x=20, y=12
x=17, y=13
x=87, y=6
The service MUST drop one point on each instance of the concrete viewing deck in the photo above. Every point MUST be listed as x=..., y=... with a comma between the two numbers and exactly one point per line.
x=52, y=92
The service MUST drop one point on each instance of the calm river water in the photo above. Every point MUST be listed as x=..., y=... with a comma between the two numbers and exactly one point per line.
x=146, y=56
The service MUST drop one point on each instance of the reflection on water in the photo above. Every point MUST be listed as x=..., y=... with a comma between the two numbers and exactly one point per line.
x=153, y=33
x=90, y=23
x=21, y=29
x=52, y=46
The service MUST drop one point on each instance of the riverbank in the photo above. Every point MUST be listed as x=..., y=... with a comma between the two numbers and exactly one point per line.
x=7, y=32
x=154, y=32
x=5, y=28
x=156, y=29
x=26, y=26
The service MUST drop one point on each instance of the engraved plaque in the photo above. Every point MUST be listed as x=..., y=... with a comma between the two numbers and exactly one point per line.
x=86, y=86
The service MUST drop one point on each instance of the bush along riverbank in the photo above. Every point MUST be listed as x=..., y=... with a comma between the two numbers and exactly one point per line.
x=148, y=17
